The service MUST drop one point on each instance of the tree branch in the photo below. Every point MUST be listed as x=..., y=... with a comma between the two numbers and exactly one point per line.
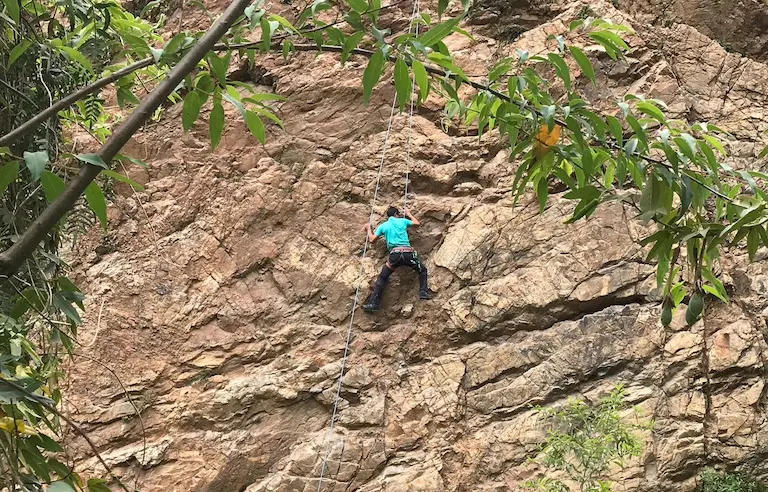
x=30, y=125
x=13, y=257
x=41, y=401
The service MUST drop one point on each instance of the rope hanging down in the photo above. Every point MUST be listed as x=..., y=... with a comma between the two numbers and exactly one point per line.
x=414, y=14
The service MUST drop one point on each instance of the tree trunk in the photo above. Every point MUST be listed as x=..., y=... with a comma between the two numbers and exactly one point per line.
x=14, y=257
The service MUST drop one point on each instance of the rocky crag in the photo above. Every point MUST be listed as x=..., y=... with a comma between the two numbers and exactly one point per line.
x=221, y=295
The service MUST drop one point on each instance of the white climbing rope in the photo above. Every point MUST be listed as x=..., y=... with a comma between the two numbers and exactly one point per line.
x=416, y=13
x=356, y=300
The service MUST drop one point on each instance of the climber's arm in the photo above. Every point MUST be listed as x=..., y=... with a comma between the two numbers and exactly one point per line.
x=371, y=236
x=414, y=220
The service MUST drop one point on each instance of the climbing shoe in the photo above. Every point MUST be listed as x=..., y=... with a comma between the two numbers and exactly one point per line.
x=426, y=295
x=372, y=305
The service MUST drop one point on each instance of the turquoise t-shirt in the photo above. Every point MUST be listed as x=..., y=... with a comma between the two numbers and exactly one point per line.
x=395, y=230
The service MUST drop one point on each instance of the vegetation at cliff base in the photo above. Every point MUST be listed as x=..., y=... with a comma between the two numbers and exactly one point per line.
x=57, y=59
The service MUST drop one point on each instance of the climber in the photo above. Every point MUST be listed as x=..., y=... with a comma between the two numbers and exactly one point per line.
x=401, y=253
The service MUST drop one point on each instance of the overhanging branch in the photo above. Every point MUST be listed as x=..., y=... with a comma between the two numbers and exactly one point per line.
x=13, y=257
x=30, y=125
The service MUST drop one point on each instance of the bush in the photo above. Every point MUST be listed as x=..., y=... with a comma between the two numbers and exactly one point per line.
x=585, y=440
x=714, y=481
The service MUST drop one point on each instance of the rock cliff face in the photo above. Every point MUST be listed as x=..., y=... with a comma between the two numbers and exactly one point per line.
x=221, y=296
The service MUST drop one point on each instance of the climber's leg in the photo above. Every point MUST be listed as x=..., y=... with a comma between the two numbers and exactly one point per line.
x=378, y=289
x=418, y=266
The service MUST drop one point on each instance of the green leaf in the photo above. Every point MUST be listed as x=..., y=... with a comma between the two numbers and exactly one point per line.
x=132, y=159
x=266, y=33
x=191, y=110
x=687, y=147
x=354, y=20
x=441, y=6
x=542, y=193
x=639, y=133
x=98, y=485
x=422, y=79
x=335, y=36
x=614, y=126
x=349, y=44
x=269, y=114
x=500, y=69
x=125, y=95
x=157, y=54
x=372, y=75
x=282, y=21
x=17, y=51
x=584, y=63
x=60, y=487
x=714, y=142
x=630, y=147
x=378, y=34
x=8, y=174
x=125, y=179
x=447, y=63
x=255, y=126
x=65, y=306
x=403, y=84
x=753, y=242
x=216, y=124
x=233, y=92
x=575, y=24
x=236, y=103
x=93, y=159
x=710, y=155
x=610, y=48
x=36, y=163
x=13, y=9
x=173, y=46
x=95, y=198
x=47, y=443
x=438, y=32
x=651, y=111
x=719, y=289
x=749, y=215
x=218, y=66
x=561, y=68
x=358, y=6
x=374, y=9
x=53, y=185
x=750, y=181
x=763, y=152
x=287, y=48
x=608, y=37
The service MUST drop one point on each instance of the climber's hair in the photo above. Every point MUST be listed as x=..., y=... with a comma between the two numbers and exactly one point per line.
x=392, y=211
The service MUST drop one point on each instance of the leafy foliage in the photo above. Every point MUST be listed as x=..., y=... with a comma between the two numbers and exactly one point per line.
x=584, y=441
x=713, y=481
x=669, y=171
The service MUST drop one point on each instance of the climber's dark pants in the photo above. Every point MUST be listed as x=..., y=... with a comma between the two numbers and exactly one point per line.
x=398, y=258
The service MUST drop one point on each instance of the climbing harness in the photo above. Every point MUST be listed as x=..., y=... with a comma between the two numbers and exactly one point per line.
x=413, y=24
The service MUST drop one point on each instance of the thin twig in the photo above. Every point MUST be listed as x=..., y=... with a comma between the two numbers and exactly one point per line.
x=130, y=400
x=44, y=403
x=61, y=104
x=98, y=324
x=12, y=258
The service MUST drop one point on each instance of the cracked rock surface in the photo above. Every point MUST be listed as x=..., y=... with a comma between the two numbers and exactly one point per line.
x=221, y=296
